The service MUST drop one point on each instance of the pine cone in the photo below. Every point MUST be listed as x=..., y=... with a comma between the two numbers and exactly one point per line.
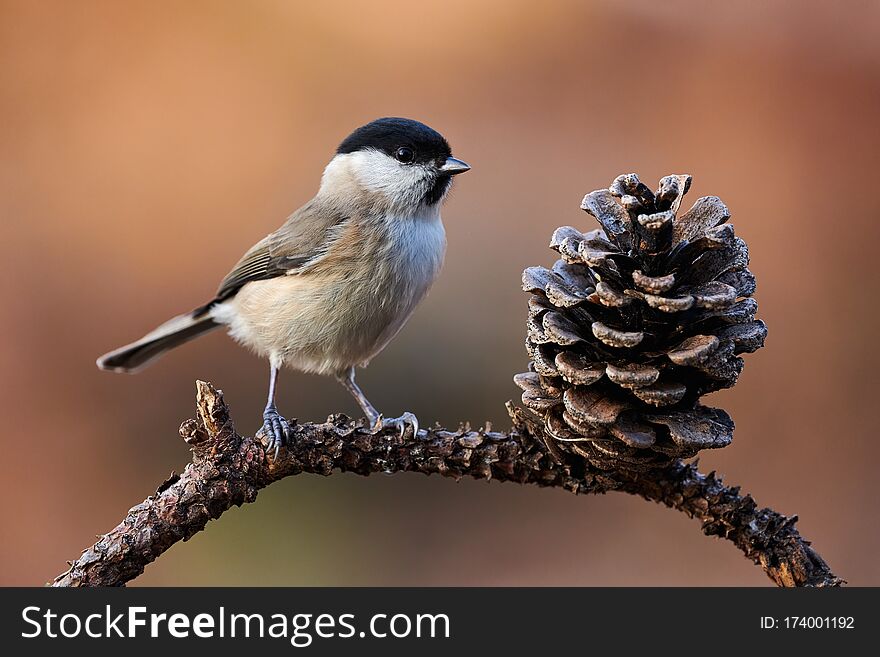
x=636, y=322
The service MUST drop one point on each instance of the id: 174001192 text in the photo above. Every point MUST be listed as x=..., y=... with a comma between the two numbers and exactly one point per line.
x=808, y=623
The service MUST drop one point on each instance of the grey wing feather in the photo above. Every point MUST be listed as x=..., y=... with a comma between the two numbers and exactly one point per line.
x=303, y=237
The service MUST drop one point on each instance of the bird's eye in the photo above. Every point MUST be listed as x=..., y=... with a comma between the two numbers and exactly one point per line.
x=405, y=155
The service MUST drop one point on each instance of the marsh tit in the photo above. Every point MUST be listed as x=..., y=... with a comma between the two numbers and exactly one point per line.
x=330, y=288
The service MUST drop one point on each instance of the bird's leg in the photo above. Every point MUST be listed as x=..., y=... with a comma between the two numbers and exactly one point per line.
x=374, y=417
x=275, y=427
x=346, y=378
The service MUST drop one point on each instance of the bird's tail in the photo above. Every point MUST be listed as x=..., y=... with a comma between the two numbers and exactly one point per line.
x=177, y=330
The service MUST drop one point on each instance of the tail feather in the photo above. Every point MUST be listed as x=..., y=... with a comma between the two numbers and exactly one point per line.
x=177, y=330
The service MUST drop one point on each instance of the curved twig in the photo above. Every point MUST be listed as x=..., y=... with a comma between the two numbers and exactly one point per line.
x=228, y=470
x=766, y=537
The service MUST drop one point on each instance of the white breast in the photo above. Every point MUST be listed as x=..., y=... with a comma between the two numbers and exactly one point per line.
x=415, y=250
x=417, y=246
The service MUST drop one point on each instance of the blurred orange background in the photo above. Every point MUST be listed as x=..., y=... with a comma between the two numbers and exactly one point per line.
x=146, y=145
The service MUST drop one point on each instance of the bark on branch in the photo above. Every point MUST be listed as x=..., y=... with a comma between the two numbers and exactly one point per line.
x=228, y=470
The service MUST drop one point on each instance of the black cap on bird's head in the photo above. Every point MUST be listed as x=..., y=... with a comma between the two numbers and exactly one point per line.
x=406, y=140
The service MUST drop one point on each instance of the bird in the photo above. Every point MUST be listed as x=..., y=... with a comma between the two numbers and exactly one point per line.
x=330, y=288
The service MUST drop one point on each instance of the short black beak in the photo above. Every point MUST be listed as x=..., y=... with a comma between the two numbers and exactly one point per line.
x=453, y=166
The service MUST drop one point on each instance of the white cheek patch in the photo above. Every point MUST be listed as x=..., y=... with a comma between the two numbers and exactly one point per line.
x=402, y=184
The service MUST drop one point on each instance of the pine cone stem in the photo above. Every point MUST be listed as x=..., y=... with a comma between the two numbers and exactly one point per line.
x=766, y=537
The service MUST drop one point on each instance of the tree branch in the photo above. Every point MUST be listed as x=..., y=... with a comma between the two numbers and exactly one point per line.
x=228, y=470
x=769, y=539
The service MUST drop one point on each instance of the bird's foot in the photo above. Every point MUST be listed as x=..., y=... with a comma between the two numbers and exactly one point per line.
x=402, y=423
x=276, y=429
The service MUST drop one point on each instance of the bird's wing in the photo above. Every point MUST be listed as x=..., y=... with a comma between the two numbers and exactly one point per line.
x=304, y=237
